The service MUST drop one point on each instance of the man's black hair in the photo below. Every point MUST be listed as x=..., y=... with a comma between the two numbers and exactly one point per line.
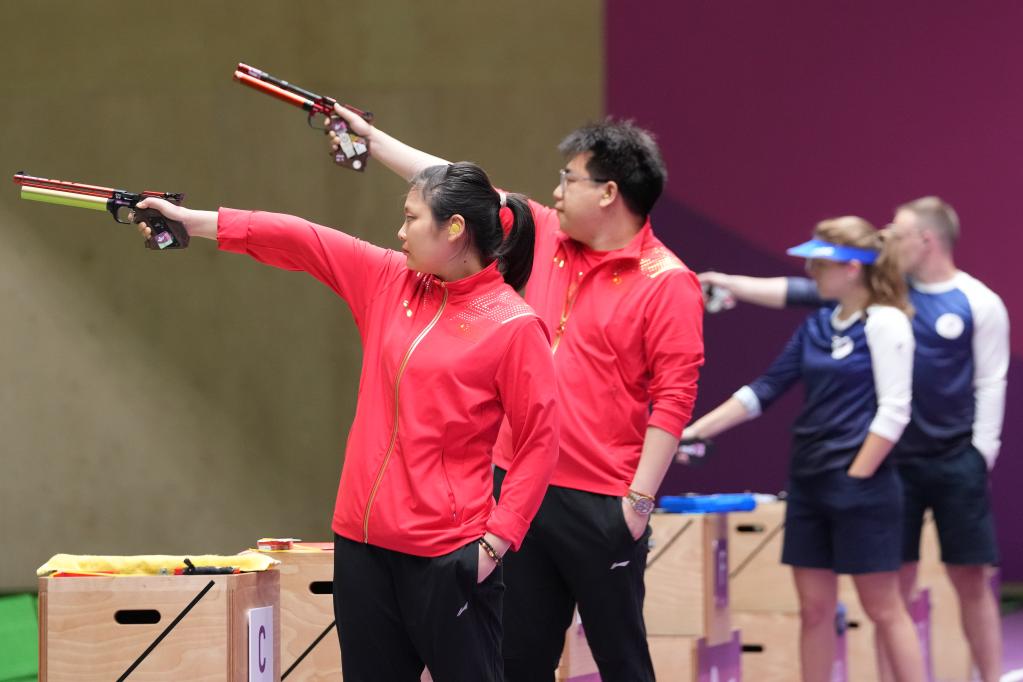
x=623, y=152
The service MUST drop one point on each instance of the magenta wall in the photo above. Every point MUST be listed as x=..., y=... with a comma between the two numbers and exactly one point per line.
x=775, y=115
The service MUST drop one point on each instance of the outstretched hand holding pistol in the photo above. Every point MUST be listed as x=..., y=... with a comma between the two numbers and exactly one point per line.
x=197, y=223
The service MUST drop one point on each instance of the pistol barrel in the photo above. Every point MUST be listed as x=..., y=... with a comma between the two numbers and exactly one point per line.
x=55, y=196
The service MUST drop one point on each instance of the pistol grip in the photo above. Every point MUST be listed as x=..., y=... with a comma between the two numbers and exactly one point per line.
x=354, y=150
x=167, y=234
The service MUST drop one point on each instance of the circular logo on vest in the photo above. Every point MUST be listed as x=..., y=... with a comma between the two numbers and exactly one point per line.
x=841, y=346
x=949, y=326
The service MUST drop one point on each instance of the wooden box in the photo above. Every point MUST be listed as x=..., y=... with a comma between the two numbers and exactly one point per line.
x=687, y=591
x=759, y=581
x=309, y=647
x=691, y=659
x=674, y=657
x=770, y=647
x=677, y=658
x=168, y=627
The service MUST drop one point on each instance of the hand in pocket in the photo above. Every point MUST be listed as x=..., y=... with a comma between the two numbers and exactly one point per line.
x=635, y=521
x=485, y=565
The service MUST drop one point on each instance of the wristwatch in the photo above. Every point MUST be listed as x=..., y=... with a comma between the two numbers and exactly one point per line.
x=642, y=504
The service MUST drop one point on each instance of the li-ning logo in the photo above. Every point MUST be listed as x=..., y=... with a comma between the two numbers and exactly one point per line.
x=462, y=610
x=841, y=346
x=619, y=564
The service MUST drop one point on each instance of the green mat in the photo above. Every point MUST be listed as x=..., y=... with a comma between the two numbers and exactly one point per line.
x=19, y=638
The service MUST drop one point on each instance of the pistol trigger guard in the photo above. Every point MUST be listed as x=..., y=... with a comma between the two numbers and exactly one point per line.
x=317, y=126
x=116, y=210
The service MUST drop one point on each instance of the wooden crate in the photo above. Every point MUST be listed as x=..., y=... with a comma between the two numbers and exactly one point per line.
x=677, y=658
x=691, y=659
x=758, y=579
x=81, y=639
x=309, y=647
x=770, y=647
x=687, y=577
x=674, y=657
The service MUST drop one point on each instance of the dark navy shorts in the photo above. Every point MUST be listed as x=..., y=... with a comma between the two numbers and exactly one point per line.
x=845, y=524
x=956, y=488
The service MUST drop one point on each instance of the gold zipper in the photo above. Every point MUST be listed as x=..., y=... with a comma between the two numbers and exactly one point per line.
x=566, y=308
x=394, y=430
x=560, y=330
x=570, y=296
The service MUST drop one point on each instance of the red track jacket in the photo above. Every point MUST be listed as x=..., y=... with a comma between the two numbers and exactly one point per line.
x=627, y=334
x=443, y=364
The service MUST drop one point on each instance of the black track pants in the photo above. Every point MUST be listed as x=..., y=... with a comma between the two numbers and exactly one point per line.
x=578, y=551
x=397, y=612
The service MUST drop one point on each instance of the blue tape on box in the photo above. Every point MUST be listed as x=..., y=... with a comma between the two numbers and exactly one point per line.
x=706, y=504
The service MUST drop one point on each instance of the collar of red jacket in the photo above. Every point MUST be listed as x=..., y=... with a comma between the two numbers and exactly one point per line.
x=633, y=250
x=487, y=278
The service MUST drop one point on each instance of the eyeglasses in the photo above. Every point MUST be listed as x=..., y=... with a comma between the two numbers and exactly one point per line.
x=566, y=176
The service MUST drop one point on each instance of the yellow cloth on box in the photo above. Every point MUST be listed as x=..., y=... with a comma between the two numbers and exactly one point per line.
x=150, y=564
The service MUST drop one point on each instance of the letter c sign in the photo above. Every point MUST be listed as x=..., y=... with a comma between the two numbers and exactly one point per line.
x=260, y=657
x=261, y=647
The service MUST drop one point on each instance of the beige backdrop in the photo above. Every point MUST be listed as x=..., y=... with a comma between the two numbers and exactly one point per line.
x=194, y=401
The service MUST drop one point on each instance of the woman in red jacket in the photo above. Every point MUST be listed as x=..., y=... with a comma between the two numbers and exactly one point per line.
x=450, y=351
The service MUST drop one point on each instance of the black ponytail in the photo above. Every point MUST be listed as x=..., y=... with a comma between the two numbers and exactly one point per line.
x=465, y=189
x=515, y=254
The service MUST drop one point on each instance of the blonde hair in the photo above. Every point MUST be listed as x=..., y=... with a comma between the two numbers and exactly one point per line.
x=883, y=278
x=938, y=215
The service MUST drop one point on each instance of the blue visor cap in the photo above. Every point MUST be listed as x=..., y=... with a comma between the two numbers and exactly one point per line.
x=822, y=250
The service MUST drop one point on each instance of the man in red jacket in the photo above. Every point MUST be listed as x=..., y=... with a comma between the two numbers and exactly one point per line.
x=626, y=319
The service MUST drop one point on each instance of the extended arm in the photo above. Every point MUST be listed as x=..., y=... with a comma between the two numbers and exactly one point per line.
x=769, y=292
x=404, y=160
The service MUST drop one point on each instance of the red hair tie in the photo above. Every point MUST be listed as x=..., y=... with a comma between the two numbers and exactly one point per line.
x=507, y=219
x=505, y=214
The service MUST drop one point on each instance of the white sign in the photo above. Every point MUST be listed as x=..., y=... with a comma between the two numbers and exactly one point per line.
x=261, y=644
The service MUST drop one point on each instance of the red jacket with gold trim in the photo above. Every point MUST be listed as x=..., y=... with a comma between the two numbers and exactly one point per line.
x=443, y=364
x=628, y=346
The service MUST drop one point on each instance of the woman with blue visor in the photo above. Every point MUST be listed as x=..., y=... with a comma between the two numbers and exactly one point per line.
x=855, y=360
